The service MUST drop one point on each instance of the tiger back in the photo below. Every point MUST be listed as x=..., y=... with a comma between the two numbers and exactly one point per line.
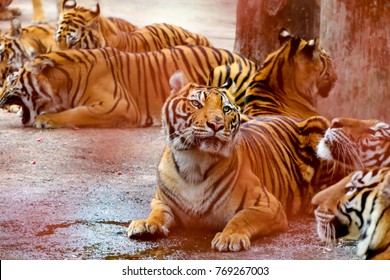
x=290, y=78
x=81, y=28
x=357, y=207
x=106, y=87
x=241, y=74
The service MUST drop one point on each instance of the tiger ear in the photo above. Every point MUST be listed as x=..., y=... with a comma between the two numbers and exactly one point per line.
x=284, y=35
x=16, y=27
x=177, y=81
x=68, y=4
x=94, y=22
x=312, y=48
x=97, y=12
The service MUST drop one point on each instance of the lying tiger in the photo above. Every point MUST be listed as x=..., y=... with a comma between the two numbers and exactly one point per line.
x=358, y=207
x=105, y=87
x=242, y=180
x=82, y=28
x=290, y=79
x=356, y=143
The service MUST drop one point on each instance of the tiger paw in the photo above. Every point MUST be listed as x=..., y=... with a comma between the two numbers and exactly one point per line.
x=230, y=242
x=145, y=228
x=43, y=121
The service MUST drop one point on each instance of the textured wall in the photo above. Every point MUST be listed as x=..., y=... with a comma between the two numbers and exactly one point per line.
x=259, y=22
x=357, y=35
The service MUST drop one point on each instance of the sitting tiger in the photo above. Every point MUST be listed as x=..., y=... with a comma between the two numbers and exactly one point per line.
x=358, y=207
x=105, y=87
x=216, y=173
x=81, y=28
x=356, y=143
x=290, y=78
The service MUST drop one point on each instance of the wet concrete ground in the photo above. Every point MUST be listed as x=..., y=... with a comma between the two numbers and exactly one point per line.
x=70, y=194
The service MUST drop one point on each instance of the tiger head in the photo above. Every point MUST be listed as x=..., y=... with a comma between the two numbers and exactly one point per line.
x=357, y=207
x=78, y=27
x=200, y=118
x=13, y=52
x=28, y=89
x=356, y=143
x=310, y=65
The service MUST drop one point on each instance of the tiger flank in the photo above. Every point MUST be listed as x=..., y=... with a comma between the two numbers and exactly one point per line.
x=81, y=28
x=290, y=78
x=356, y=143
x=19, y=45
x=239, y=179
x=358, y=207
x=105, y=87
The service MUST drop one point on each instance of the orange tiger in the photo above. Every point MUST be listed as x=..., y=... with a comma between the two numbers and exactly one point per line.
x=105, y=87
x=81, y=28
x=240, y=179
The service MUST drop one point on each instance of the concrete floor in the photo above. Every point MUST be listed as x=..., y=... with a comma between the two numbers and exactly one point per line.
x=70, y=194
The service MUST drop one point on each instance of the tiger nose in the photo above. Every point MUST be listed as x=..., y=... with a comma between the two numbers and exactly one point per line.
x=214, y=125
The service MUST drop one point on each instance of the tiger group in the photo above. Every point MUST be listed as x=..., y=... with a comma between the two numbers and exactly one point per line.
x=245, y=150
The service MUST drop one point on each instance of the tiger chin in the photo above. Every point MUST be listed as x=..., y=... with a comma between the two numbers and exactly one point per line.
x=356, y=143
x=204, y=179
x=357, y=207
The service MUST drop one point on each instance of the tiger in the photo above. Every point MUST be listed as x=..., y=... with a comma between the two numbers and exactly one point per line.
x=356, y=143
x=19, y=45
x=241, y=74
x=358, y=207
x=240, y=179
x=81, y=28
x=105, y=87
x=290, y=78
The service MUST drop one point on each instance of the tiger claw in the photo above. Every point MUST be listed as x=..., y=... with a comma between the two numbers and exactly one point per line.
x=142, y=228
x=230, y=242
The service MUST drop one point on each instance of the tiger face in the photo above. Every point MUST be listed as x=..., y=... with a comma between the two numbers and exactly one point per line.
x=313, y=66
x=206, y=119
x=78, y=28
x=290, y=79
x=356, y=143
x=357, y=207
x=21, y=88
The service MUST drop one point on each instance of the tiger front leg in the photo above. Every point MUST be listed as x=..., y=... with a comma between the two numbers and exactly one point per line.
x=93, y=115
x=265, y=218
x=158, y=223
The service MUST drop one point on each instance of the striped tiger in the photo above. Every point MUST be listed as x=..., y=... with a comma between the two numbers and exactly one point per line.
x=290, y=78
x=105, y=87
x=81, y=28
x=19, y=45
x=356, y=143
x=216, y=173
x=241, y=74
x=358, y=207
